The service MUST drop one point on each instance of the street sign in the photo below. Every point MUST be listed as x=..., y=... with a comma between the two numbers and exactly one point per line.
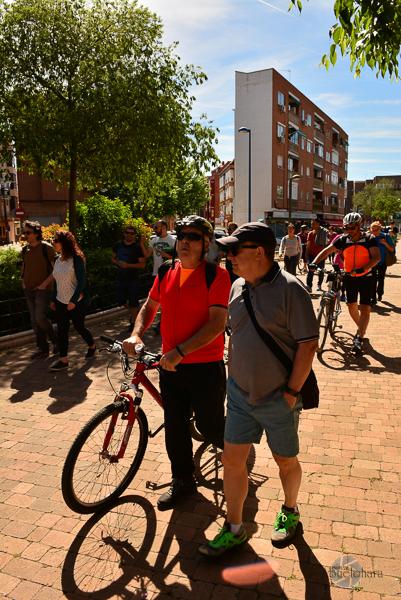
x=19, y=212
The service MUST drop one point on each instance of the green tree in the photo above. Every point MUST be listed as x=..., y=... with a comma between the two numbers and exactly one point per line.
x=369, y=32
x=89, y=94
x=378, y=201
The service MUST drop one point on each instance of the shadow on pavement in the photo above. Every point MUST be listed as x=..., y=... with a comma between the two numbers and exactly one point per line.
x=116, y=553
x=317, y=582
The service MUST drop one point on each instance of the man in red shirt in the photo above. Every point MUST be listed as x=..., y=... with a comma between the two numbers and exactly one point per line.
x=192, y=375
x=317, y=241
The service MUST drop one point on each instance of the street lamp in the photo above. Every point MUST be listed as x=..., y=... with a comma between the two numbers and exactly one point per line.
x=248, y=131
x=294, y=177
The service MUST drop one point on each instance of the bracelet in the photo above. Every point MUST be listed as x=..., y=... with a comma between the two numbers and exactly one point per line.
x=180, y=352
x=290, y=391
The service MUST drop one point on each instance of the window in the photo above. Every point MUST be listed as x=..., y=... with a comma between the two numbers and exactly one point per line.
x=307, y=171
x=302, y=142
x=319, y=150
x=334, y=177
x=280, y=161
x=302, y=169
x=334, y=157
x=280, y=192
x=327, y=177
x=280, y=131
x=309, y=120
x=294, y=137
x=328, y=157
x=290, y=163
x=308, y=146
x=281, y=99
x=307, y=196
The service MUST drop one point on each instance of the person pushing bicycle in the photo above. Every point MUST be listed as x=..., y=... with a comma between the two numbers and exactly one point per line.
x=193, y=296
x=361, y=254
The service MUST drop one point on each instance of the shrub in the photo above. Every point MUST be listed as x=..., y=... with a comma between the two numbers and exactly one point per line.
x=100, y=221
x=10, y=273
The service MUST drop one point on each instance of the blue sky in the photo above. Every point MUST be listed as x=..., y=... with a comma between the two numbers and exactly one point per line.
x=223, y=36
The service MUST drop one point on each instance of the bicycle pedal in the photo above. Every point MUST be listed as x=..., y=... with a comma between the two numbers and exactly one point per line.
x=151, y=485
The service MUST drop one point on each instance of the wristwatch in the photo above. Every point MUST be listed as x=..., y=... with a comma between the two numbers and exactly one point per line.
x=290, y=391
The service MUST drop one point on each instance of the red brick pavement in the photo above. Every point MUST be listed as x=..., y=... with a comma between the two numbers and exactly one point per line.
x=349, y=500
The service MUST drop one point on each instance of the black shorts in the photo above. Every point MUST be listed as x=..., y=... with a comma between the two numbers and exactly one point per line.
x=359, y=285
x=128, y=292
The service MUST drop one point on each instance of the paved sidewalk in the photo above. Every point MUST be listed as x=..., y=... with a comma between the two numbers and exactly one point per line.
x=350, y=496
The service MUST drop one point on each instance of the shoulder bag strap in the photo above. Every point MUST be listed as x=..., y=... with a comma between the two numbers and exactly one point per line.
x=266, y=337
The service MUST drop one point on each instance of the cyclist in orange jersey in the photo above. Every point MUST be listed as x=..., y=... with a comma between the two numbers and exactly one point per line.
x=361, y=254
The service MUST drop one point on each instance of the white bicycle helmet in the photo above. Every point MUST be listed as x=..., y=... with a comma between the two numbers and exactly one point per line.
x=352, y=218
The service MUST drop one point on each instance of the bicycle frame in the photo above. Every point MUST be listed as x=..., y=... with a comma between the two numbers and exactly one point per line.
x=139, y=378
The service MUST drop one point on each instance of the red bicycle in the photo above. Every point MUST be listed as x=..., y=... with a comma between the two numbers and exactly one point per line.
x=108, y=451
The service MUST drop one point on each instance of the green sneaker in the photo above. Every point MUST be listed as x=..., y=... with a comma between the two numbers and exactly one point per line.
x=224, y=540
x=285, y=525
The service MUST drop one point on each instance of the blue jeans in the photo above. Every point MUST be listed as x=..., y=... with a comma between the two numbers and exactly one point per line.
x=38, y=303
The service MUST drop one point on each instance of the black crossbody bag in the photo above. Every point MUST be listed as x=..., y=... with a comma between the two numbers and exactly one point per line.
x=310, y=389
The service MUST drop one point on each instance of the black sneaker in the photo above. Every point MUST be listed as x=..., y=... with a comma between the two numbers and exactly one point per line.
x=59, y=365
x=40, y=354
x=178, y=489
x=90, y=353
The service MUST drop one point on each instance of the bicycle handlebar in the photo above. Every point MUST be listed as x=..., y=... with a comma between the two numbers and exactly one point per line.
x=147, y=357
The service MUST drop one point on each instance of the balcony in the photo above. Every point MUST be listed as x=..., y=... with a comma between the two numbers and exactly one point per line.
x=334, y=208
x=318, y=183
x=317, y=205
x=319, y=135
x=293, y=117
x=318, y=160
x=293, y=147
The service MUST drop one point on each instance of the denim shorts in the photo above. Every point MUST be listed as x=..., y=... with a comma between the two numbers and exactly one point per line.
x=246, y=422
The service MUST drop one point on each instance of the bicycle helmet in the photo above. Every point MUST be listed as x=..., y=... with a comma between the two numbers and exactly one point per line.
x=197, y=222
x=352, y=218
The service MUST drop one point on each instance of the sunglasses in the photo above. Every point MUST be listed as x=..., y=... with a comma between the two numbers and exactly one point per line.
x=350, y=227
x=191, y=236
x=235, y=249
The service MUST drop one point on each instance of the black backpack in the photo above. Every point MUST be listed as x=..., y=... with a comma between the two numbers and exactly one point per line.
x=210, y=272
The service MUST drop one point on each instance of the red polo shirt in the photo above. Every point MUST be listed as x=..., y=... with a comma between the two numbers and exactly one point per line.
x=185, y=309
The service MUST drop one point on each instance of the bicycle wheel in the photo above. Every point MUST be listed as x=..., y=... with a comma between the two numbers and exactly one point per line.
x=323, y=319
x=301, y=266
x=334, y=317
x=90, y=479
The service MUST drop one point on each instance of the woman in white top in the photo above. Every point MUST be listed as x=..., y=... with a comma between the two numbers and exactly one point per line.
x=69, y=295
x=291, y=248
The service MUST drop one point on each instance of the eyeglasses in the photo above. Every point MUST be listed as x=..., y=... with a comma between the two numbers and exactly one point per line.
x=235, y=249
x=350, y=227
x=191, y=236
x=129, y=232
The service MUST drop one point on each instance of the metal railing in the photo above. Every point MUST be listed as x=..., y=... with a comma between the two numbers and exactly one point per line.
x=14, y=314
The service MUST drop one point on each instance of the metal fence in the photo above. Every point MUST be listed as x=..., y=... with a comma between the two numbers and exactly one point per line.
x=14, y=314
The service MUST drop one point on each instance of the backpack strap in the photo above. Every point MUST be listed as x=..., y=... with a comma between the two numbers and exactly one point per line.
x=46, y=257
x=210, y=272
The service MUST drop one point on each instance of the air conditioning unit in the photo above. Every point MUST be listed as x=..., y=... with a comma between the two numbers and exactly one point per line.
x=281, y=107
x=280, y=139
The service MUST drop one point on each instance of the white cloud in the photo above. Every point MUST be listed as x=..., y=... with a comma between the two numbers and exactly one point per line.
x=333, y=99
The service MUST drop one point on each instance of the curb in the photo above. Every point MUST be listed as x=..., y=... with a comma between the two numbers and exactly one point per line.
x=25, y=337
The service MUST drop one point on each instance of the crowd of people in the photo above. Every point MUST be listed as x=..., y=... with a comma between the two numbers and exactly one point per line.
x=198, y=298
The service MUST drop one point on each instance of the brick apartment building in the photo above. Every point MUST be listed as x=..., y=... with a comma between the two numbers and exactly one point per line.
x=221, y=185
x=353, y=187
x=9, y=221
x=292, y=140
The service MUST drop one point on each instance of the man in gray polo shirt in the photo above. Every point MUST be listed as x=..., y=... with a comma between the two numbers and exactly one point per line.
x=262, y=396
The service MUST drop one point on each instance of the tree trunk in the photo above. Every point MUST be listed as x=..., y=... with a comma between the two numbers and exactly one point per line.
x=72, y=201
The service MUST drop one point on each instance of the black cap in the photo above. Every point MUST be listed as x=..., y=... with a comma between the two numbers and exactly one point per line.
x=256, y=232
